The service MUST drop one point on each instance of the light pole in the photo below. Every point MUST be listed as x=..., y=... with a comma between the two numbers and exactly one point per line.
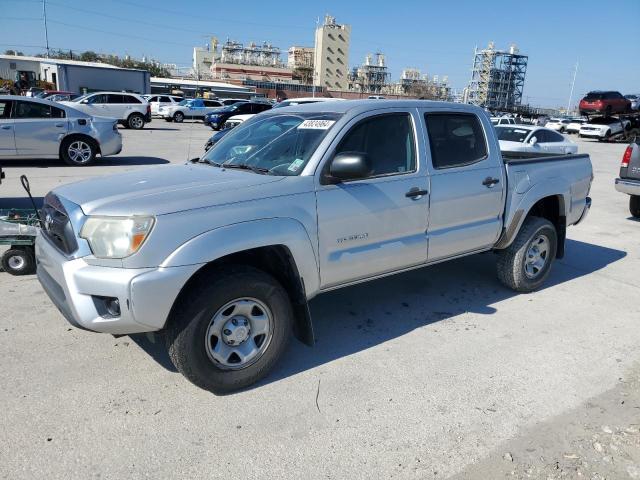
x=573, y=82
x=46, y=32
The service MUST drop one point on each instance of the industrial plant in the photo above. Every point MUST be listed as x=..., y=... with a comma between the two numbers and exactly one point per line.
x=497, y=78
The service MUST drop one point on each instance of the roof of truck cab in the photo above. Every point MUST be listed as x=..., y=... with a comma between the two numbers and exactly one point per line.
x=359, y=106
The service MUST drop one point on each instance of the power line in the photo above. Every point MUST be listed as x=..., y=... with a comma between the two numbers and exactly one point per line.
x=119, y=34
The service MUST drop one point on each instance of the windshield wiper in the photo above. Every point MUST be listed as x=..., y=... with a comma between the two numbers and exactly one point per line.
x=242, y=166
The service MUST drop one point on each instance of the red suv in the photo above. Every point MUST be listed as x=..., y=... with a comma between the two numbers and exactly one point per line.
x=604, y=102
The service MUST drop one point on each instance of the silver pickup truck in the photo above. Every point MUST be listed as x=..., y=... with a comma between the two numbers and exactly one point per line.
x=223, y=255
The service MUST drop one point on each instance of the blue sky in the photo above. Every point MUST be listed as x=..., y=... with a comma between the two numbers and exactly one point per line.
x=437, y=37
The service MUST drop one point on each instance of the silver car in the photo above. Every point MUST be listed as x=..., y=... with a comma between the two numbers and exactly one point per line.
x=35, y=128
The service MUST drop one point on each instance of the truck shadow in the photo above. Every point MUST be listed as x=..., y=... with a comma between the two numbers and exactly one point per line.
x=353, y=319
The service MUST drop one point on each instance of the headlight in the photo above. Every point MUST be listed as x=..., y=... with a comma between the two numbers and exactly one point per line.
x=116, y=237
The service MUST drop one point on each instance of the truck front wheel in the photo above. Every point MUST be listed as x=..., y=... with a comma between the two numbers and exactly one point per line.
x=230, y=329
x=634, y=205
x=526, y=263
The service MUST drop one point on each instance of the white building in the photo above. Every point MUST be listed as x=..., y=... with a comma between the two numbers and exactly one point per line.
x=74, y=75
x=203, y=58
x=331, y=57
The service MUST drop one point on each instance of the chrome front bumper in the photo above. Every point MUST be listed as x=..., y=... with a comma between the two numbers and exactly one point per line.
x=630, y=187
x=146, y=295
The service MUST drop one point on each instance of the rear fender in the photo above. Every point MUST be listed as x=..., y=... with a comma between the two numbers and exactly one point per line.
x=521, y=203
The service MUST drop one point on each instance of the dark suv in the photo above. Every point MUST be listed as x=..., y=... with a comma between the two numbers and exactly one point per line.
x=604, y=102
x=216, y=119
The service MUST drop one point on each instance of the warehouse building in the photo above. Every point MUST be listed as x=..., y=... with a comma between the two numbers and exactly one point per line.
x=74, y=75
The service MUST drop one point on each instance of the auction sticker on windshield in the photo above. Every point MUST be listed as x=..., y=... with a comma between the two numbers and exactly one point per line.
x=316, y=124
x=295, y=165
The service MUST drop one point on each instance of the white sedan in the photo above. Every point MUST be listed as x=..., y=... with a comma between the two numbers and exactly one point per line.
x=531, y=141
x=35, y=128
x=558, y=124
x=603, y=127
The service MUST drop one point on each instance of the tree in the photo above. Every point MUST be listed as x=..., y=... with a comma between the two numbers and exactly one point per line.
x=89, y=56
x=13, y=52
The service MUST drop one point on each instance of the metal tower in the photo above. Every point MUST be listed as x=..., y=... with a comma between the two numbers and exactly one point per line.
x=497, y=80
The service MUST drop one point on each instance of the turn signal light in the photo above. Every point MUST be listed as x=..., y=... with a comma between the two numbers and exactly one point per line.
x=626, y=158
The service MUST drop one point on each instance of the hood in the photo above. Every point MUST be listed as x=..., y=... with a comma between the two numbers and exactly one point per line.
x=167, y=189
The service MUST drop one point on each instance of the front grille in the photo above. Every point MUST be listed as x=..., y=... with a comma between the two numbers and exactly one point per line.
x=56, y=225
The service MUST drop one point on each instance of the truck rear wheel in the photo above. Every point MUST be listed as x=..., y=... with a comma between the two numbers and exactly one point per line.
x=230, y=329
x=526, y=263
x=634, y=205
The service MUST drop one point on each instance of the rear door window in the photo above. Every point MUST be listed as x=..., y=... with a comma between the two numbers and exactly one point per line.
x=456, y=139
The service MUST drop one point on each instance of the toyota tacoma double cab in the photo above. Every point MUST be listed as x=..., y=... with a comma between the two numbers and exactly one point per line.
x=223, y=255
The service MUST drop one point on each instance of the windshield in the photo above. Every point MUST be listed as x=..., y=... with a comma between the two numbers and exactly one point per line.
x=512, y=134
x=274, y=144
x=185, y=102
x=594, y=96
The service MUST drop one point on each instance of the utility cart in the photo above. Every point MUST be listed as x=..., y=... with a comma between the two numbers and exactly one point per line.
x=18, y=230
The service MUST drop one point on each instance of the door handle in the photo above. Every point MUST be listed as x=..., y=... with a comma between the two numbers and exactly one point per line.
x=489, y=182
x=6, y=127
x=59, y=125
x=415, y=193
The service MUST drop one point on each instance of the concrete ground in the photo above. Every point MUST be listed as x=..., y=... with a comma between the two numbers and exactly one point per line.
x=425, y=375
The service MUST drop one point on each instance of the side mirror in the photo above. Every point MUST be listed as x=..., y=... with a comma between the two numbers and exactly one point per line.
x=533, y=140
x=350, y=166
x=1, y=174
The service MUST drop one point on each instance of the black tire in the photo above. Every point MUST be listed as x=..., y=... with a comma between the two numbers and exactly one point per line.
x=18, y=261
x=187, y=327
x=178, y=117
x=135, y=121
x=71, y=146
x=634, y=205
x=512, y=260
x=608, y=111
